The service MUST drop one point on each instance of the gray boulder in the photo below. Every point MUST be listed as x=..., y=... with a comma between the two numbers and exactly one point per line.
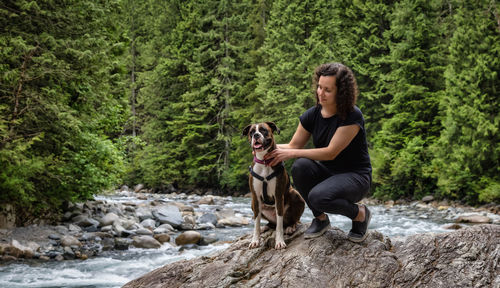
x=108, y=219
x=147, y=242
x=467, y=257
x=168, y=214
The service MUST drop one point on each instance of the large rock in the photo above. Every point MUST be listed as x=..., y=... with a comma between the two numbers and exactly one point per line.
x=147, y=242
x=188, y=237
x=108, y=219
x=168, y=214
x=465, y=258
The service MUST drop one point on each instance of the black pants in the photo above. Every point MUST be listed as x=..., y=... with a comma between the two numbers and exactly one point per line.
x=325, y=191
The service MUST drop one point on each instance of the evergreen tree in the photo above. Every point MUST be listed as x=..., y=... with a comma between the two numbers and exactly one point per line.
x=401, y=155
x=60, y=102
x=467, y=155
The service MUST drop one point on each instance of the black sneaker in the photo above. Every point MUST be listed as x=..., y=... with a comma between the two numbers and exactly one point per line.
x=317, y=228
x=359, y=230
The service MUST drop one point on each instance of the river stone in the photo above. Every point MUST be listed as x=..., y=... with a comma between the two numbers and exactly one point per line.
x=162, y=238
x=144, y=231
x=68, y=240
x=84, y=221
x=428, y=198
x=188, y=237
x=166, y=226
x=208, y=218
x=473, y=219
x=61, y=229
x=122, y=243
x=18, y=250
x=68, y=253
x=118, y=228
x=108, y=219
x=54, y=237
x=138, y=187
x=207, y=200
x=143, y=213
x=147, y=242
x=467, y=257
x=108, y=244
x=149, y=224
x=169, y=214
x=235, y=221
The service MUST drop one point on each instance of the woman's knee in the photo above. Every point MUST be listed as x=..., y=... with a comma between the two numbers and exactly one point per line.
x=302, y=168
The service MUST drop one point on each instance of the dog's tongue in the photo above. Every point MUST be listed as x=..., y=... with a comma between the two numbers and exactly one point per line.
x=257, y=146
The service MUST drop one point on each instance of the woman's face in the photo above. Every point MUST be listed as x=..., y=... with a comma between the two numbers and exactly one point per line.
x=327, y=91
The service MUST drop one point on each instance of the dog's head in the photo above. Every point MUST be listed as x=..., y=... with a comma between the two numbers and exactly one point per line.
x=261, y=135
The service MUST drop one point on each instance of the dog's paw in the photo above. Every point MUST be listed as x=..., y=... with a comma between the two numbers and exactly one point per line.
x=254, y=244
x=280, y=245
x=291, y=229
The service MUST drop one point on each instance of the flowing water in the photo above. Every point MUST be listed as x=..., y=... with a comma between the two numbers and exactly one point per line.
x=115, y=268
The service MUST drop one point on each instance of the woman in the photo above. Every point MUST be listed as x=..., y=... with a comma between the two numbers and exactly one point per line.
x=335, y=174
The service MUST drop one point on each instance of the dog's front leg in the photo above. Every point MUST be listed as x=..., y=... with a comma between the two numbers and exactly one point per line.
x=280, y=240
x=256, y=231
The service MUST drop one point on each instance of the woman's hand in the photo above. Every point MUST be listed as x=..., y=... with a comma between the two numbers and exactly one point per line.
x=278, y=155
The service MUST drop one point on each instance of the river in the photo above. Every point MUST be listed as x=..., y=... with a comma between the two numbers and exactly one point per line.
x=115, y=268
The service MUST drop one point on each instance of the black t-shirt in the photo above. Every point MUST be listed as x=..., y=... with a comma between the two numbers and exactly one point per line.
x=354, y=158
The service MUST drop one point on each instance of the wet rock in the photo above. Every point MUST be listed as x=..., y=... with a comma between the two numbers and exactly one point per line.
x=208, y=218
x=207, y=200
x=162, y=238
x=168, y=214
x=188, y=237
x=54, y=237
x=147, y=242
x=143, y=213
x=68, y=240
x=68, y=253
x=108, y=219
x=144, y=231
x=108, y=244
x=122, y=243
x=138, y=187
x=149, y=224
x=452, y=226
x=18, y=250
x=467, y=257
x=473, y=219
x=428, y=199
x=84, y=221
x=235, y=221
x=207, y=240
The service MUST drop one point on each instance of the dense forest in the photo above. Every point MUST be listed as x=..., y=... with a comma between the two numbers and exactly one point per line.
x=97, y=93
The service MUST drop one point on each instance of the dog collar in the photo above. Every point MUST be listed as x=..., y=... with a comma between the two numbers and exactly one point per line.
x=265, y=162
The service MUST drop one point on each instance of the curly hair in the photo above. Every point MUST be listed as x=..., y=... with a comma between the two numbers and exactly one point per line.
x=347, y=88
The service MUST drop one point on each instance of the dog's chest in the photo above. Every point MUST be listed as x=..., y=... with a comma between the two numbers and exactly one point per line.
x=259, y=186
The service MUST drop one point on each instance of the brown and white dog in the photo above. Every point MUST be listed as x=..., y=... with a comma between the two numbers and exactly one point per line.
x=272, y=195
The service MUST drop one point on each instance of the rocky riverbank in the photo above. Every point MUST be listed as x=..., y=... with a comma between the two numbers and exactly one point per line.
x=147, y=220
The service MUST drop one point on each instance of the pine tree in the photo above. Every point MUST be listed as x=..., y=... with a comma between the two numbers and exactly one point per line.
x=60, y=102
x=467, y=155
x=401, y=156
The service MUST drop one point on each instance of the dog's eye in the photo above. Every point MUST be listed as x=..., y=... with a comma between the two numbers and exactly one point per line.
x=263, y=131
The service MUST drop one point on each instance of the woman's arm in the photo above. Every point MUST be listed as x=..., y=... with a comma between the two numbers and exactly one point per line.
x=340, y=140
x=299, y=139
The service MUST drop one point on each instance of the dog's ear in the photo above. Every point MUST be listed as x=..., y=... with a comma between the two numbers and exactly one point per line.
x=245, y=131
x=274, y=128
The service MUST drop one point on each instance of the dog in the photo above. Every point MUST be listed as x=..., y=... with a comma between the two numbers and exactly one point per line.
x=272, y=195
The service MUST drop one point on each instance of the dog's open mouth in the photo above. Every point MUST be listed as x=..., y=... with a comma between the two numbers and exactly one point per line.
x=258, y=145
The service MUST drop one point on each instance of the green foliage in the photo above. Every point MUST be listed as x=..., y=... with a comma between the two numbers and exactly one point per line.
x=60, y=102
x=467, y=154
x=158, y=92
